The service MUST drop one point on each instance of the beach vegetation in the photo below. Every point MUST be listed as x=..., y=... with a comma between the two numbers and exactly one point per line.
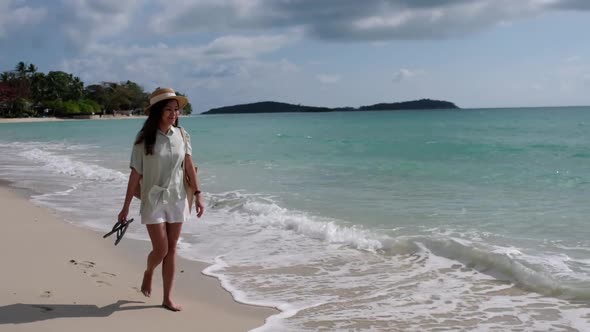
x=26, y=92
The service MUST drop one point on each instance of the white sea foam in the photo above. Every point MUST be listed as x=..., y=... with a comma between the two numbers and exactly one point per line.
x=53, y=146
x=63, y=164
x=265, y=212
x=310, y=266
x=539, y=273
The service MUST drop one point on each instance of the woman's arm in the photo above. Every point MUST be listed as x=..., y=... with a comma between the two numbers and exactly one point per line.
x=194, y=181
x=134, y=178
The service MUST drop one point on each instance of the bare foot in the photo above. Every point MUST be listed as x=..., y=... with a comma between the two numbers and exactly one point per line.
x=146, y=284
x=171, y=306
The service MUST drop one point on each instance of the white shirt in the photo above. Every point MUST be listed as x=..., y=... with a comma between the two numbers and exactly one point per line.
x=162, y=172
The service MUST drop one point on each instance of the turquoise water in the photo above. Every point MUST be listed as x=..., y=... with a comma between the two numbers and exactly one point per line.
x=381, y=165
x=369, y=219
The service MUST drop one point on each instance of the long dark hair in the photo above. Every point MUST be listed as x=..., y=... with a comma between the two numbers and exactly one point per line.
x=149, y=130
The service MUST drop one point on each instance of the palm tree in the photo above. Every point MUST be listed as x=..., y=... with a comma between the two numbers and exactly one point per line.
x=32, y=69
x=21, y=69
x=38, y=87
x=6, y=76
x=21, y=80
x=77, y=87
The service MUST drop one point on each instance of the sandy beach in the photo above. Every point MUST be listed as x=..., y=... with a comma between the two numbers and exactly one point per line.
x=60, y=277
x=50, y=119
x=54, y=119
x=19, y=120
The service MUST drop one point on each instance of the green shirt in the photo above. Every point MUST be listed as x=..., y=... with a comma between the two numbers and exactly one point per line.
x=162, y=172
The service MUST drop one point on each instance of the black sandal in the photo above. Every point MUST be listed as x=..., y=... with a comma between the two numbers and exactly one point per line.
x=120, y=227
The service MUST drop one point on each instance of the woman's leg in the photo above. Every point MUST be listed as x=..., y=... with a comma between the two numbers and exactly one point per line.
x=169, y=264
x=159, y=240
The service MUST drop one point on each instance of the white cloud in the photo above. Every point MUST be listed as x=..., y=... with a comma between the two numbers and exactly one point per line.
x=573, y=76
x=573, y=58
x=229, y=61
x=404, y=74
x=380, y=43
x=562, y=80
x=15, y=16
x=85, y=22
x=226, y=48
x=373, y=20
x=328, y=78
x=231, y=47
x=288, y=67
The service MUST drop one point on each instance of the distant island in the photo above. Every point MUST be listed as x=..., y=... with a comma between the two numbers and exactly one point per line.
x=277, y=107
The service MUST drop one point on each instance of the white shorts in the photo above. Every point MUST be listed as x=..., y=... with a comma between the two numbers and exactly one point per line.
x=170, y=213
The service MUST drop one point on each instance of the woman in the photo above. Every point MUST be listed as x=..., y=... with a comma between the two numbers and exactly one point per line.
x=161, y=154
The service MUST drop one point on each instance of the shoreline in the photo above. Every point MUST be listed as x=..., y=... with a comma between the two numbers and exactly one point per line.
x=21, y=120
x=54, y=119
x=83, y=282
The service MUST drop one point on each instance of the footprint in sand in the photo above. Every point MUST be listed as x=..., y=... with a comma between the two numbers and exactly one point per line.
x=84, y=264
x=87, y=264
x=103, y=274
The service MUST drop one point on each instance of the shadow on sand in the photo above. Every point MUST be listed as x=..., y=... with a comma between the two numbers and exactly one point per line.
x=27, y=313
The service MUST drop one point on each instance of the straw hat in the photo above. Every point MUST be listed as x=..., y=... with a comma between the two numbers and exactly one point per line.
x=162, y=94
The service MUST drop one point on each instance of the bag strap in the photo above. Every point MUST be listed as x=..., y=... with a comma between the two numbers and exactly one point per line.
x=183, y=136
x=184, y=140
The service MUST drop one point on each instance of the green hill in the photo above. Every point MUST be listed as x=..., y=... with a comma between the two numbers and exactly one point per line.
x=277, y=107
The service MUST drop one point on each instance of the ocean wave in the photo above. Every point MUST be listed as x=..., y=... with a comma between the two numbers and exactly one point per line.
x=53, y=146
x=541, y=273
x=534, y=273
x=266, y=212
x=65, y=165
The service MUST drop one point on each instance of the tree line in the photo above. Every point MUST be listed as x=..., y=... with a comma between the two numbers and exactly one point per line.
x=26, y=92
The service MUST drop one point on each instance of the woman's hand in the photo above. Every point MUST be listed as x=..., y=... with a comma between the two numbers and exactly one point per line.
x=123, y=214
x=132, y=184
x=200, y=207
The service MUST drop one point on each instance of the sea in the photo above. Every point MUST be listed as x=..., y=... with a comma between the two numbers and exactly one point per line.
x=432, y=220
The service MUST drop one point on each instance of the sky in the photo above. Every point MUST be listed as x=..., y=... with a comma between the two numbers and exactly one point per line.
x=475, y=53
